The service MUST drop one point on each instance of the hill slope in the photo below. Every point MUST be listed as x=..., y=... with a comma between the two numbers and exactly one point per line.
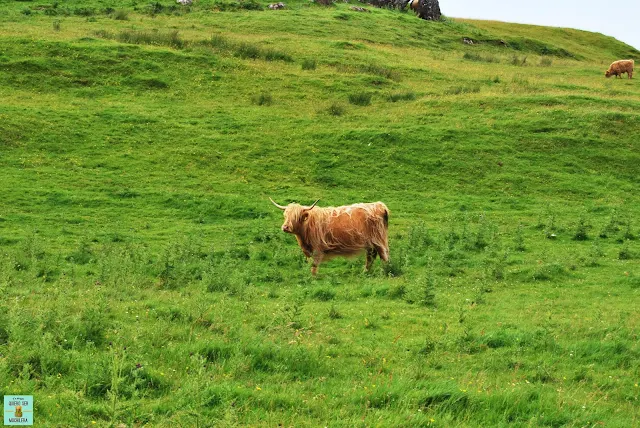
x=144, y=273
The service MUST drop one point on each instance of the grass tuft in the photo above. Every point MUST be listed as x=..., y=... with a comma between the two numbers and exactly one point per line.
x=402, y=96
x=480, y=58
x=309, y=64
x=263, y=99
x=121, y=15
x=360, y=98
x=336, y=109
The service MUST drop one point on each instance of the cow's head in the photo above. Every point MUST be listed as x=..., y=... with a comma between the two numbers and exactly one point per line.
x=295, y=215
x=607, y=73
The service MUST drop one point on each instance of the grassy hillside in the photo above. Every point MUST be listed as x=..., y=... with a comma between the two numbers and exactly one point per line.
x=145, y=280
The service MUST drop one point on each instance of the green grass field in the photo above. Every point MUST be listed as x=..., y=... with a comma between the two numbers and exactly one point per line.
x=144, y=279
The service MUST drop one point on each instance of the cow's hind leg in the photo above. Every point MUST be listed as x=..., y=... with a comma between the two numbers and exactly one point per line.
x=371, y=256
x=383, y=252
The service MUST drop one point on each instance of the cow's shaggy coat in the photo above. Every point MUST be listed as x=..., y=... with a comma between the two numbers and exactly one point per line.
x=325, y=232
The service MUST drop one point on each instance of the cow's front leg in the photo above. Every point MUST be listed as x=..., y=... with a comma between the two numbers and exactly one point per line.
x=317, y=259
x=371, y=256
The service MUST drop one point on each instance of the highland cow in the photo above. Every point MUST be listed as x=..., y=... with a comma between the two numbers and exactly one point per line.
x=617, y=68
x=348, y=230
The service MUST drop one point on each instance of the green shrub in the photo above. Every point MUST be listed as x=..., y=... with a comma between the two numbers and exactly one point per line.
x=548, y=272
x=581, y=230
x=121, y=15
x=171, y=38
x=235, y=5
x=477, y=57
x=250, y=5
x=216, y=279
x=82, y=255
x=457, y=90
x=446, y=401
x=518, y=241
x=516, y=60
x=426, y=291
x=309, y=64
x=219, y=42
x=92, y=326
x=394, y=267
x=397, y=291
x=402, y=96
x=625, y=252
x=84, y=11
x=334, y=313
x=545, y=61
x=336, y=109
x=360, y=98
x=379, y=70
x=215, y=352
x=155, y=8
x=273, y=55
x=248, y=51
x=323, y=294
x=263, y=99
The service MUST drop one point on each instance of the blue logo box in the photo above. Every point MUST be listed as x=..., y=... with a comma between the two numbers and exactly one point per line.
x=18, y=409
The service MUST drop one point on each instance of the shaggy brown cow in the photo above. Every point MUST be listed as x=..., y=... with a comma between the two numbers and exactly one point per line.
x=617, y=68
x=326, y=232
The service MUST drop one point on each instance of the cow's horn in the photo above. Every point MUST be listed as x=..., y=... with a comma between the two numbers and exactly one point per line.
x=279, y=206
x=314, y=204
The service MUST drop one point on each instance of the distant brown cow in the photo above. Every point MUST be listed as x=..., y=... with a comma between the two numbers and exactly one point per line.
x=323, y=233
x=617, y=68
